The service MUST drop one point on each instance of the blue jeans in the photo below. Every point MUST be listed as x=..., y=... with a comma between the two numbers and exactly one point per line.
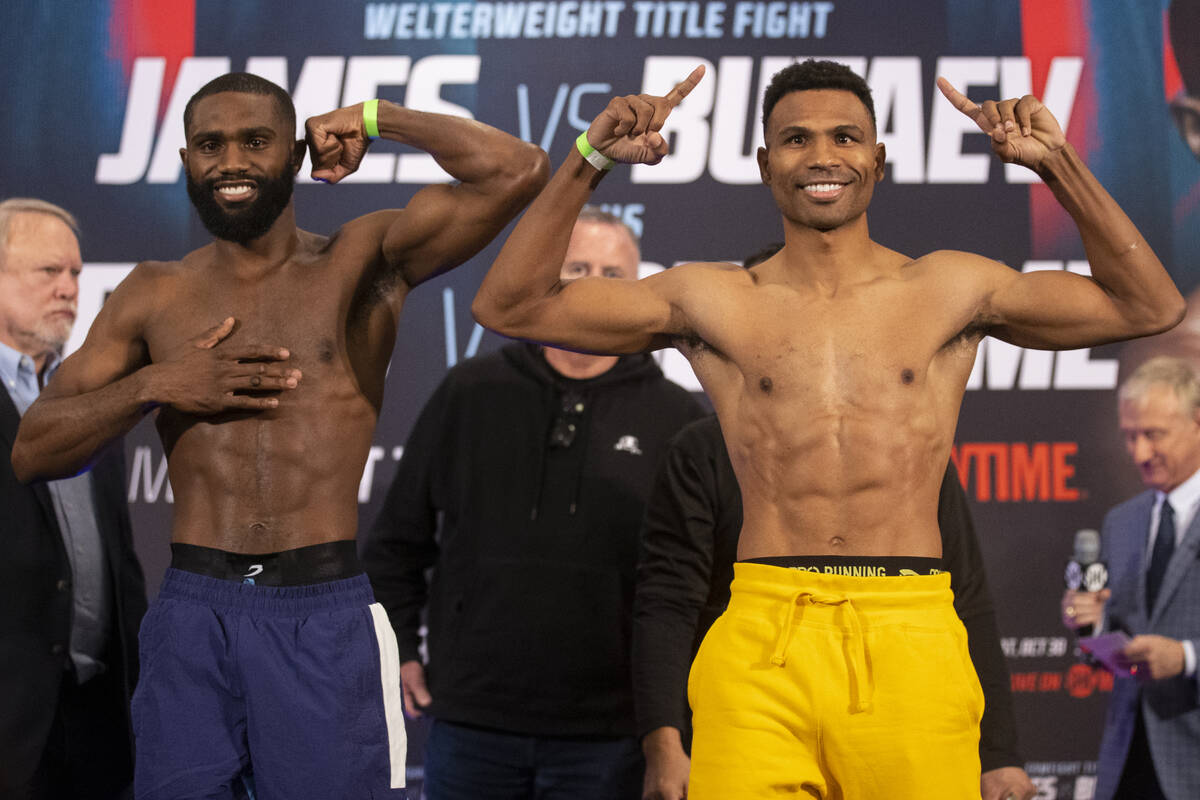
x=467, y=763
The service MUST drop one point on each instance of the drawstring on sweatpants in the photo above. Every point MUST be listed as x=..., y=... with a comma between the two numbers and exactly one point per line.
x=864, y=687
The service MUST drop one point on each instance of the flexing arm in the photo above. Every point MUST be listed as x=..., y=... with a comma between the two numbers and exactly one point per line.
x=1129, y=293
x=522, y=295
x=103, y=390
x=443, y=225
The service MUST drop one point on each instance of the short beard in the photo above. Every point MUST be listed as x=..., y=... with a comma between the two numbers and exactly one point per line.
x=246, y=225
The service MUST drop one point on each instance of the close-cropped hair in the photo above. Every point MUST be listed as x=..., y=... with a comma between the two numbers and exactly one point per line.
x=245, y=83
x=814, y=74
x=13, y=206
x=1176, y=373
x=591, y=213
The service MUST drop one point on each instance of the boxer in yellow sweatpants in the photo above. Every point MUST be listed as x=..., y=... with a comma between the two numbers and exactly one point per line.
x=828, y=686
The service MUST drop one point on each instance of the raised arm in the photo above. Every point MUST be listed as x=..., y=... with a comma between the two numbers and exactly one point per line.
x=522, y=295
x=444, y=224
x=104, y=389
x=1129, y=293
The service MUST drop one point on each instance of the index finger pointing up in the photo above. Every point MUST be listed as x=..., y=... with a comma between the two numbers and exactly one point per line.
x=684, y=87
x=963, y=103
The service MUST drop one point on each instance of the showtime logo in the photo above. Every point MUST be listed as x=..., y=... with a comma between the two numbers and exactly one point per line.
x=1017, y=471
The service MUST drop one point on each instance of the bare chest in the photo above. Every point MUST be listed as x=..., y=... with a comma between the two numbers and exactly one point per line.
x=307, y=317
x=877, y=349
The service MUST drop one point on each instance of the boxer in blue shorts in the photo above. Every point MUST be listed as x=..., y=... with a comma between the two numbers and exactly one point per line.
x=265, y=662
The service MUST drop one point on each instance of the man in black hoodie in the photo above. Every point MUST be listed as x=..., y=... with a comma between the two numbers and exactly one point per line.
x=538, y=462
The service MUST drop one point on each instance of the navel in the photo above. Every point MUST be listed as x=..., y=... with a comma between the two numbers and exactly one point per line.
x=836, y=541
x=906, y=376
x=765, y=384
x=325, y=351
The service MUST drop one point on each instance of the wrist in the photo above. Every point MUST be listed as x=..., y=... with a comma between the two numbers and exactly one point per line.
x=147, y=391
x=666, y=738
x=592, y=155
x=1058, y=164
x=370, y=118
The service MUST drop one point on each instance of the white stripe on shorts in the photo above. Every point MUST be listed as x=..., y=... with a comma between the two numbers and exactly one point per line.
x=393, y=700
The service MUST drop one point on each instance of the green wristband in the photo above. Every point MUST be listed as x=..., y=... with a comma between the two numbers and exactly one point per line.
x=592, y=155
x=371, y=118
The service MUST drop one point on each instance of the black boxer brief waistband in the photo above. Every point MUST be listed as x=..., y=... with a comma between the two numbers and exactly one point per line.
x=318, y=563
x=856, y=566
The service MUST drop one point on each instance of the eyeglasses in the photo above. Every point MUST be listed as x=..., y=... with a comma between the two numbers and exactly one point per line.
x=566, y=424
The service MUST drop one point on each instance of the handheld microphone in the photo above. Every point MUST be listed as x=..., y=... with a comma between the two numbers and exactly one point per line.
x=1085, y=571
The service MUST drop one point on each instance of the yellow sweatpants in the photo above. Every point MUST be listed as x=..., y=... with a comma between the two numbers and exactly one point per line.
x=828, y=686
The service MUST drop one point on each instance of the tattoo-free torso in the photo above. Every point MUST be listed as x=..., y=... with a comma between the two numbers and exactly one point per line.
x=838, y=406
x=286, y=477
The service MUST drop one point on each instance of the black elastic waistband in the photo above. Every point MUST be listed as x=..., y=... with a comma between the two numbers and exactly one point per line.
x=318, y=563
x=856, y=566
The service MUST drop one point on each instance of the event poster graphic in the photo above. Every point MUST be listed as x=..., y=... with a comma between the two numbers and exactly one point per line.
x=93, y=97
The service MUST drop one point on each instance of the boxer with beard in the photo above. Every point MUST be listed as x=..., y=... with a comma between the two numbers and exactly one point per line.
x=265, y=659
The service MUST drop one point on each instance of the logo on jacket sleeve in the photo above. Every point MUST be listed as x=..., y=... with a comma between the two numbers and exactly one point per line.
x=629, y=444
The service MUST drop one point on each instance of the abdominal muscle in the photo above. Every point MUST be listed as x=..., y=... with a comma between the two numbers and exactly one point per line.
x=838, y=483
x=275, y=481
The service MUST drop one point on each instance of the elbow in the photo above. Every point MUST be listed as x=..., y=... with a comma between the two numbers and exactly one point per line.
x=1165, y=315
x=491, y=314
x=23, y=465
x=530, y=172
x=1176, y=312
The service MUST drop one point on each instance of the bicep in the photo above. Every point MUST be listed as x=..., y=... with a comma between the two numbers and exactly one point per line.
x=603, y=315
x=1052, y=310
x=443, y=226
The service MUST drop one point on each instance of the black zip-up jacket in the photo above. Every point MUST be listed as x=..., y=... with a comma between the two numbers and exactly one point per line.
x=531, y=528
x=689, y=545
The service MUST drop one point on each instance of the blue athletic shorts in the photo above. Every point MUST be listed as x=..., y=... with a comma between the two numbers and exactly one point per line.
x=268, y=692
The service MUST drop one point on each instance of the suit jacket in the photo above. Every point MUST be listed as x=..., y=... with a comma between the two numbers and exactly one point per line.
x=36, y=601
x=1171, y=708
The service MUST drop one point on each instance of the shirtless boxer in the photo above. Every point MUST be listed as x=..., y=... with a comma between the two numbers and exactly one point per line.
x=264, y=652
x=837, y=368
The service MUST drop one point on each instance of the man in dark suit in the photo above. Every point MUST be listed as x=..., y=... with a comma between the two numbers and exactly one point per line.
x=71, y=590
x=1151, y=543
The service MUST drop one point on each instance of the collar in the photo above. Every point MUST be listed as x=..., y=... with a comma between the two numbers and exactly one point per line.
x=14, y=365
x=1183, y=497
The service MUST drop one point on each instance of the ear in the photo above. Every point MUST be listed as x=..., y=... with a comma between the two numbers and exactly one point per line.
x=298, y=151
x=764, y=169
x=880, y=161
x=183, y=157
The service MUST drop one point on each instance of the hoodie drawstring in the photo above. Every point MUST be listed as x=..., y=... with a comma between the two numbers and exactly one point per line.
x=856, y=653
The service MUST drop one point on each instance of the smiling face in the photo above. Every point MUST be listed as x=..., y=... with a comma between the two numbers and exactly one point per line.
x=1161, y=435
x=241, y=161
x=821, y=160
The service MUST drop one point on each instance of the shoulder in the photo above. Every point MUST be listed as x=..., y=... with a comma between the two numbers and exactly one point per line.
x=1133, y=511
x=960, y=262
x=710, y=270
x=702, y=273
x=147, y=287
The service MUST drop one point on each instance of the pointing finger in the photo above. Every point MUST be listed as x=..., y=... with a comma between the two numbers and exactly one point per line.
x=684, y=87
x=964, y=104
